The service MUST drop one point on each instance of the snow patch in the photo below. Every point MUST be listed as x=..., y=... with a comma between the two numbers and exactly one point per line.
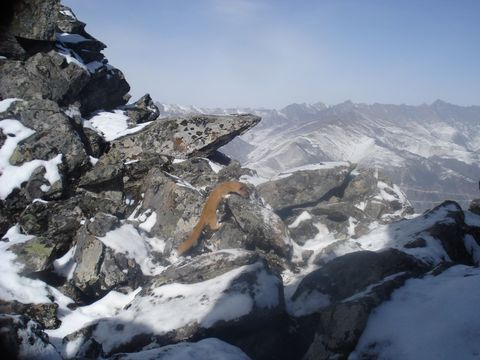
x=65, y=266
x=415, y=323
x=5, y=104
x=304, y=216
x=112, y=125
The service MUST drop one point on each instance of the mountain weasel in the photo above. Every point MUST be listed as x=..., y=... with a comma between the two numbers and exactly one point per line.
x=208, y=216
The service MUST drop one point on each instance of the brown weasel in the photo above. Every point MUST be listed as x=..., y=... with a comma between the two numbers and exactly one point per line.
x=208, y=216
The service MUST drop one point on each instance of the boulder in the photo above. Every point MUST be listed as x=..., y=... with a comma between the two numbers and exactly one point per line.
x=186, y=136
x=54, y=134
x=100, y=268
x=235, y=301
x=305, y=187
x=333, y=303
x=142, y=110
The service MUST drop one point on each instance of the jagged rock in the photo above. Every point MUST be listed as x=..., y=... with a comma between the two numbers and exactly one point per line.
x=36, y=254
x=107, y=89
x=106, y=174
x=349, y=274
x=340, y=325
x=187, y=136
x=204, y=267
x=99, y=268
x=371, y=190
x=44, y=314
x=57, y=221
x=34, y=19
x=343, y=293
x=196, y=171
x=260, y=228
x=108, y=201
x=95, y=145
x=175, y=205
x=451, y=232
x=368, y=198
x=247, y=297
x=54, y=134
x=142, y=110
x=67, y=22
x=305, y=187
x=43, y=75
x=23, y=338
x=475, y=206
x=206, y=349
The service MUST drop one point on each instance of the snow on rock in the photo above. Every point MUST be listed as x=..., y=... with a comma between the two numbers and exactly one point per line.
x=429, y=318
x=73, y=320
x=5, y=104
x=24, y=339
x=112, y=125
x=206, y=349
x=12, y=285
x=12, y=177
x=65, y=266
x=246, y=292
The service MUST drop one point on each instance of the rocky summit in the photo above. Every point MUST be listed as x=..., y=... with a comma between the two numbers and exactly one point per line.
x=97, y=194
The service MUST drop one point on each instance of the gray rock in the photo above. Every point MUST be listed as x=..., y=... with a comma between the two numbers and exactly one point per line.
x=343, y=293
x=44, y=75
x=34, y=19
x=36, y=254
x=23, y=338
x=195, y=171
x=260, y=228
x=188, y=136
x=176, y=205
x=106, y=89
x=66, y=23
x=340, y=325
x=142, y=110
x=349, y=274
x=54, y=134
x=204, y=267
x=305, y=187
x=99, y=268
x=44, y=314
x=253, y=283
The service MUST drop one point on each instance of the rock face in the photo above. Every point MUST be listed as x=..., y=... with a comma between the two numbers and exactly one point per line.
x=304, y=186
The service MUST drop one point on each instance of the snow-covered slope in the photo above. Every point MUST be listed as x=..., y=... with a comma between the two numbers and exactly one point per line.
x=431, y=151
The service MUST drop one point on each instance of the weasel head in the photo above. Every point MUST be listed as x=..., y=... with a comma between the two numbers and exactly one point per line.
x=242, y=190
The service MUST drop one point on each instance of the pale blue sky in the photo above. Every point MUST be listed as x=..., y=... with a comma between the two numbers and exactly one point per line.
x=274, y=52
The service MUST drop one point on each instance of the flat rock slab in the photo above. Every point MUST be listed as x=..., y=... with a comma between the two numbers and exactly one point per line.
x=186, y=136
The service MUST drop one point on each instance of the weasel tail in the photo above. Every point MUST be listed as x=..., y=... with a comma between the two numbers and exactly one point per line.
x=208, y=217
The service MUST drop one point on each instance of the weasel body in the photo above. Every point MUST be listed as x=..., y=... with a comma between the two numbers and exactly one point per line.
x=208, y=217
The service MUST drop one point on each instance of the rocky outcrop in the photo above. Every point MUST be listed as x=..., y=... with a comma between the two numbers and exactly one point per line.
x=189, y=136
x=304, y=186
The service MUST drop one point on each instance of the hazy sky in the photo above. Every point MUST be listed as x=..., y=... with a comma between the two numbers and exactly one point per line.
x=271, y=53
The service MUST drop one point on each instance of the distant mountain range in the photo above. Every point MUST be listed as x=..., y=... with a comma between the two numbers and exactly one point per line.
x=431, y=151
